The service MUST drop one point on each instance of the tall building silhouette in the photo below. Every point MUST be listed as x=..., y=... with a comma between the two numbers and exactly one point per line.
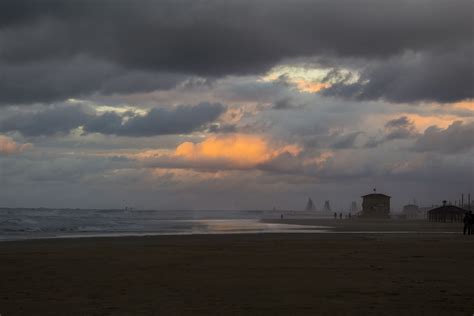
x=327, y=206
x=353, y=208
x=310, y=205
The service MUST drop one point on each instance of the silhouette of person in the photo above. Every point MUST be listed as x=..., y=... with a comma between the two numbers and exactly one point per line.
x=350, y=216
x=467, y=223
x=335, y=215
x=471, y=223
x=340, y=215
x=281, y=216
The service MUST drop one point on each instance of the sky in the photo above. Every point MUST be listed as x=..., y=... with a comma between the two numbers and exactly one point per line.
x=238, y=104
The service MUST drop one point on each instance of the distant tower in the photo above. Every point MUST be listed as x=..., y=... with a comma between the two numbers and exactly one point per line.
x=353, y=208
x=327, y=206
x=310, y=205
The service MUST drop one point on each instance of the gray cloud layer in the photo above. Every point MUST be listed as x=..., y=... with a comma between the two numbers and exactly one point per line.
x=147, y=45
x=457, y=138
x=158, y=121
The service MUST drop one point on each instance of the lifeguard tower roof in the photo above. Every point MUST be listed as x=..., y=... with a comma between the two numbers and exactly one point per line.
x=376, y=195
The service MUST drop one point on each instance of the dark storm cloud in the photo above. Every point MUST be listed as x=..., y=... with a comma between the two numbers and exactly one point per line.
x=457, y=138
x=222, y=128
x=50, y=121
x=54, y=80
x=217, y=38
x=158, y=121
x=443, y=76
x=151, y=33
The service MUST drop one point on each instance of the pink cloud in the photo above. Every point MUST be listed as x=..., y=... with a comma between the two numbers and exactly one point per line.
x=8, y=146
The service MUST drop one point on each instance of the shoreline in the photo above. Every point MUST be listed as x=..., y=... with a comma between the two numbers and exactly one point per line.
x=289, y=226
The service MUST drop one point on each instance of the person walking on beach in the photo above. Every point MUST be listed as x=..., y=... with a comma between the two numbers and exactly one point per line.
x=335, y=215
x=468, y=221
x=471, y=222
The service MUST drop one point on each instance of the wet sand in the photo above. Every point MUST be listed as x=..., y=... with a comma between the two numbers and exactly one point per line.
x=374, y=225
x=274, y=274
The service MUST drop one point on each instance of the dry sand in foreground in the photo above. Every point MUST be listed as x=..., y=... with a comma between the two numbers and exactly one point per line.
x=285, y=274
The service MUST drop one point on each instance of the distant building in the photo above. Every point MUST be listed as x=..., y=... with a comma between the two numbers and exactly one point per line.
x=446, y=213
x=327, y=206
x=353, y=208
x=411, y=211
x=375, y=205
x=423, y=211
x=310, y=205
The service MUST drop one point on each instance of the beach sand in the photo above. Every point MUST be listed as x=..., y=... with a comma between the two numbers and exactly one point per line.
x=373, y=225
x=274, y=274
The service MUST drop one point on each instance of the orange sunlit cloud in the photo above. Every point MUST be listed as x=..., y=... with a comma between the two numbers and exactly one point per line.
x=464, y=105
x=230, y=151
x=225, y=154
x=310, y=86
x=320, y=160
x=8, y=146
x=420, y=122
x=423, y=122
x=241, y=150
x=149, y=154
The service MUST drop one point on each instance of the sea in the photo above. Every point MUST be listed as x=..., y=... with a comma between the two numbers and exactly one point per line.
x=38, y=223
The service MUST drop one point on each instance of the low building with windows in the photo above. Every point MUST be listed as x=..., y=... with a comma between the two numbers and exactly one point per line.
x=446, y=213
